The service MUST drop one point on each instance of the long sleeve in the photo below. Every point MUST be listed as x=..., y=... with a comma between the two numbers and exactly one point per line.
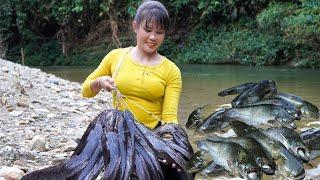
x=172, y=96
x=104, y=69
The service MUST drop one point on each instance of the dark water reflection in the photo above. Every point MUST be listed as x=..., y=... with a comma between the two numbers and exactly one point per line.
x=201, y=83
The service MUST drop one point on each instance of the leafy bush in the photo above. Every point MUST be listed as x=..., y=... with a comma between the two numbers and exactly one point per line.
x=241, y=46
x=303, y=27
x=307, y=59
x=270, y=19
x=217, y=31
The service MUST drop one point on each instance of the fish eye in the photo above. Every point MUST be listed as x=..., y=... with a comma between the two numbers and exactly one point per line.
x=252, y=175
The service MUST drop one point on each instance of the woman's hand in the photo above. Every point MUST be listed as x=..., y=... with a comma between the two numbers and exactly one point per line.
x=106, y=83
x=173, y=165
x=103, y=82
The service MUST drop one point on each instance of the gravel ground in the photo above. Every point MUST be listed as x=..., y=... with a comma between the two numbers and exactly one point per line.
x=41, y=116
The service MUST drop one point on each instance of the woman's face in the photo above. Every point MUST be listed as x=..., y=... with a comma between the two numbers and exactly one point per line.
x=149, y=36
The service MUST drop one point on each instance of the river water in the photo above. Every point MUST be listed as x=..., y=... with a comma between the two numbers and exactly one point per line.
x=201, y=84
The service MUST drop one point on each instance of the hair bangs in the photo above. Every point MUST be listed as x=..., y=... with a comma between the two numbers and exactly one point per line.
x=159, y=18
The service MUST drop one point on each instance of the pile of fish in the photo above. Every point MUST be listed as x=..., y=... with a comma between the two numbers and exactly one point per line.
x=120, y=147
x=263, y=120
x=254, y=152
x=257, y=104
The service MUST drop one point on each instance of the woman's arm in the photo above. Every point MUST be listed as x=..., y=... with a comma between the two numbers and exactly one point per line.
x=100, y=77
x=172, y=96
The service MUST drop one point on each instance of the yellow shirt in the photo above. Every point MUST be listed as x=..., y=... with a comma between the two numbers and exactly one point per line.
x=155, y=88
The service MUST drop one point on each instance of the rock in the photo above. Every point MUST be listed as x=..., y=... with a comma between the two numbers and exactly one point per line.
x=38, y=143
x=54, y=81
x=56, y=89
x=42, y=111
x=60, y=158
x=313, y=173
x=11, y=173
x=10, y=108
x=5, y=69
x=22, y=104
x=70, y=146
x=35, y=116
x=24, y=122
x=64, y=94
x=2, y=135
x=97, y=107
x=40, y=128
x=35, y=101
x=51, y=115
x=16, y=113
x=28, y=134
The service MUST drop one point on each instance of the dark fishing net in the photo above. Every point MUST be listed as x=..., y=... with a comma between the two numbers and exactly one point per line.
x=120, y=147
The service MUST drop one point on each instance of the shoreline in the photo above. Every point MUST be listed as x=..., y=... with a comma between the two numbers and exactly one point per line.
x=41, y=117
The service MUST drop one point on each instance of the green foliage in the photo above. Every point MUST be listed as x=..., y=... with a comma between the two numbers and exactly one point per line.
x=241, y=46
x=299, y=27
x=244, y=44
x=217, y=31
x=298, y=24
x=310, y=3
x=271, y=19
x=303, y=27
x=230, y=9
x=88, y=56
x=307, y=59
x=43, y=55
x=5, y=22
x=132, y=7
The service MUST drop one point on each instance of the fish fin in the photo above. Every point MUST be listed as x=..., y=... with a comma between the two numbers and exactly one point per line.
x=271, y=121
x=201, y=144
x=282, y=138
x=241, y=128
x=291, y=125
x=214, y=170
x=215, y=138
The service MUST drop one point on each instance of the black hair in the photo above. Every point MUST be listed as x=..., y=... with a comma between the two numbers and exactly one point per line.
x=153, y=10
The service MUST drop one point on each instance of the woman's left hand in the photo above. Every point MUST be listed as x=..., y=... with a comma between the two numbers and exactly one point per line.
x=173, y=165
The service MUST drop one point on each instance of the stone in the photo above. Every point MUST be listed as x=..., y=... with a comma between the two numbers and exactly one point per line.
x=51, y=115
x=35, y=116
x=11, y=173
x=42, y=111
x=22, y=104
x=2, y=135
x=29, y=134
x=10, y=108
x=24, y=122
x=16, y=113
x=5, y=69
x=38, y=143
x=70, y=146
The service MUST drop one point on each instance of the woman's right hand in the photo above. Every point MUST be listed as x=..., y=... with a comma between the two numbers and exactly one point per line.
x=106, y=83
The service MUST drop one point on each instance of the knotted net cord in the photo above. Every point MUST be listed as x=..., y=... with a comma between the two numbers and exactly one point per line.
x=120, y=98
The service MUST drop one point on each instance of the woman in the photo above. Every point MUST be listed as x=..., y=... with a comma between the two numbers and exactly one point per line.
x=147, y=79
x=150, y=84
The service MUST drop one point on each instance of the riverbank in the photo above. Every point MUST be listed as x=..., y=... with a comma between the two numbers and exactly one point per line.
x=41, y=117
